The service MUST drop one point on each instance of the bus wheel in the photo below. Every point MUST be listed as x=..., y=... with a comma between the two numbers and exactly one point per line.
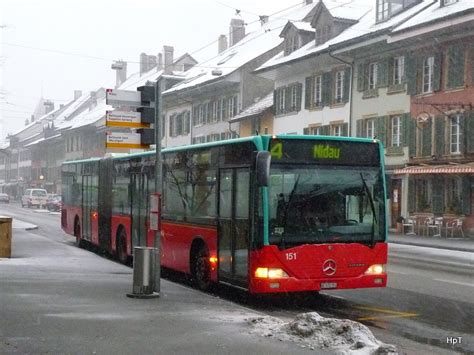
x=77, y=233
x=202, y=270
x=121, y=246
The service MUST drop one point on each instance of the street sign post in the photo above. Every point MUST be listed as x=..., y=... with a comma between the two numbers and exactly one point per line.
x=120, y=98
x=130, y=119
x=127, y=140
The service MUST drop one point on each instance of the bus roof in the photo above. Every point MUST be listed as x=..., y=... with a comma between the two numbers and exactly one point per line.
x=260, y=142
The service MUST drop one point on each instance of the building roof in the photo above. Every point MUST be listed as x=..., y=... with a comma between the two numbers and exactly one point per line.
x=255, y=109
x=348, y=10
x=250, y=47
x=436, y=13
x=365, y=28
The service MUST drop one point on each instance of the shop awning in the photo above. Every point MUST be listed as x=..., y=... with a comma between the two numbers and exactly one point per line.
x=437, y=169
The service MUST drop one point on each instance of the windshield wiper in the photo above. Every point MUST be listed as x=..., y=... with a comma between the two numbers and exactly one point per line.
x=287, y=208
x=371, y=200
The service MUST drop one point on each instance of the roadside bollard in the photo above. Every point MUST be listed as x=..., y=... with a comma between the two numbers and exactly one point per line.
x=143, y=273
x=5, y=237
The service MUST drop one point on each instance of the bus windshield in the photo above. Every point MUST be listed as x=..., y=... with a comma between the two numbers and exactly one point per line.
x=311, y=204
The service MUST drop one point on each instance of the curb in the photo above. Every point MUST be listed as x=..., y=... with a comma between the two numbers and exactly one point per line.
x=445, y=247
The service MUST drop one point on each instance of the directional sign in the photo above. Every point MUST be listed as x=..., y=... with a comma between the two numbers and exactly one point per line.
x=124, y=140
x=117, y=98
x=125, y=119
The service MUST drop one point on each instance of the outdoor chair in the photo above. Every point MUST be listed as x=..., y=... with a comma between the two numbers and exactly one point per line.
x=454, y=225
x=436, y=225
x=410, y=224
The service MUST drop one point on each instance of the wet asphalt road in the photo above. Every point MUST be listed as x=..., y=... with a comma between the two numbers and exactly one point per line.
x=429, y=297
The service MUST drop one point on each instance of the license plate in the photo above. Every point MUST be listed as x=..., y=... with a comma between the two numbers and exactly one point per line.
x=326, y=285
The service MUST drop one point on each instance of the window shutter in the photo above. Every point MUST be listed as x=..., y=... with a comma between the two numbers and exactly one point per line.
x=360, y=77
x=187, y=122
x=437, y=72
x=235, y=102
x=325, y=130
x=469, y=131
x=466, y=196
x=306, y=131
x=276, y=95
x=426, y=148
x=382, y=73
x=381, y=129
x=345, y=129
x=471, y=55
x=308, y=89
x=359, y=128
x=459, y=65
x=390, y=69
x=411, y=74
x=411, y=195
x=171, y=125
x=462, y=123
x=405, y=129
x=287, y=99
x=327, y=89
x=438, y=194
x=194, y=115
x=347, y=85
x=440, y=136
x=299, y=92
x=412, y=138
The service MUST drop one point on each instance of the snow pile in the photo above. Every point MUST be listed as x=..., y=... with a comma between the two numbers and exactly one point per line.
x=341, y=336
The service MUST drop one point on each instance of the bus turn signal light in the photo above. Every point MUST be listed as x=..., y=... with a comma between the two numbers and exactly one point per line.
x=270, y=273
x=375, y=269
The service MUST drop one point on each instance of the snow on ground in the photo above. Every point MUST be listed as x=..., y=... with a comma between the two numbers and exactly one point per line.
x=340, y=336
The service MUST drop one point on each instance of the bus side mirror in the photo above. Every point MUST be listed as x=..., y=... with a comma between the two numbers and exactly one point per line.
x=263, y=168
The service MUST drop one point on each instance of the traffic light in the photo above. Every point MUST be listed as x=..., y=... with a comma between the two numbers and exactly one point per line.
x=147, y=112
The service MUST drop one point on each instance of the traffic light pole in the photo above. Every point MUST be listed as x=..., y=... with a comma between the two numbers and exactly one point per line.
x=159, y=88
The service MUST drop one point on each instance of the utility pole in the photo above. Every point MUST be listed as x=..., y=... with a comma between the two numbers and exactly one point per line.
x=159, y=88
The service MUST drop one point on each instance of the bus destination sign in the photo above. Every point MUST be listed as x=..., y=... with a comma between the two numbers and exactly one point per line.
x=330, y=152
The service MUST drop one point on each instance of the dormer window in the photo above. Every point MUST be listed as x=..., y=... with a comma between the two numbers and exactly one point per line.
x=388, y=8
x=447, y=2
x=323, y=34
x=291, y=44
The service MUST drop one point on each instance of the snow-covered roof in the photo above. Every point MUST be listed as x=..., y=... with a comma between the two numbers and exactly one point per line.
x=365, y=27
x=348, y=10
x=303, y=26
x=250, y=47
x=436, y=13
x=255, y=109
x=86, y=117
x=45, y=116
x=42, y=140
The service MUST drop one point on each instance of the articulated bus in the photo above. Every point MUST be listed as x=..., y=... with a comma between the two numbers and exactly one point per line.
x=266, y=213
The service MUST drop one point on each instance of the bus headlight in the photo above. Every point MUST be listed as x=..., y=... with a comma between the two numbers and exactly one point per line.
x=270, y=273
x=375, y=269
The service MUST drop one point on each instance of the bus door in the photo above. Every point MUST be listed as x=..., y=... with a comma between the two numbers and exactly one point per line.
x=139, y=203
x=234, y=225
x=86, y=206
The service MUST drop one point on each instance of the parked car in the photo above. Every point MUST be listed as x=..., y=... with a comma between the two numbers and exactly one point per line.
x=34, y=197
x=54, y=203
x=4, y=198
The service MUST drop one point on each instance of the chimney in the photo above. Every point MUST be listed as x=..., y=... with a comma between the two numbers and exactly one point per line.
x=221, y=44
x=263, y=19
x=48, y=106
x=168, y=52
x=120, y=68
x=32, y=118
x=93, y=95
x=160, y=62
x=236, y=31
x=77, y=94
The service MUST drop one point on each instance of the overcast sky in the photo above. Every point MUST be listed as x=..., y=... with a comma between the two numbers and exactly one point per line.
x=50, y=48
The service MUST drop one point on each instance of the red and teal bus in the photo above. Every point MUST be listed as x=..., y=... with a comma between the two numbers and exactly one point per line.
x=265, y=213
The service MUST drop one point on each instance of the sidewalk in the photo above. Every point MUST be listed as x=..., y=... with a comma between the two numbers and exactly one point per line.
x=459, y=244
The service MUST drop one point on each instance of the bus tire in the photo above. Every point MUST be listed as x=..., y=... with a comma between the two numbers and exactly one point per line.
x=77, y=232
x=201, y=269
x=121, y=246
